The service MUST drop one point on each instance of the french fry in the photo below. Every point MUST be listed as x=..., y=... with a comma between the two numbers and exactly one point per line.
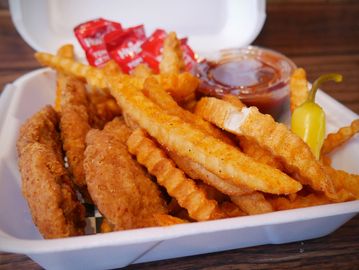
x=183, y=189
x=226, y=161
x=231, y=210
x=180, y=86
x=275, y=137
x=178, y=136
x=282, y=203
x=251, y=147
x=346, y=184
x=167, y=220
x=253, y=203
x=172, y=59
x=66, y=51
x=142, y=72
x=154, y=91
x=334, y=140
x=196, y=171
x=298, y=88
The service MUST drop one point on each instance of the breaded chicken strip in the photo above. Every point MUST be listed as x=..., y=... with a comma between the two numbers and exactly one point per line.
x=118, y=185
x=45, y=182
x=74, y=125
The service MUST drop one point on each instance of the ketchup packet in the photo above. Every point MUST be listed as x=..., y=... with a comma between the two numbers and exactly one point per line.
x=103, y=40
x=90, y=35
x=125, y=47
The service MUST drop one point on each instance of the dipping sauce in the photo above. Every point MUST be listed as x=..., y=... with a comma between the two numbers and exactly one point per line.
x=257, y=76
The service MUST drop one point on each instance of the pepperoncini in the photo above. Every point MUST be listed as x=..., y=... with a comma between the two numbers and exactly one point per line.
x=308, y=120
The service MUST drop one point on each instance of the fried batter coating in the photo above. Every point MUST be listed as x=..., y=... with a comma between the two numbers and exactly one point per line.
x=294, y=154
x=74, y=125
x=334, y=140
x=183, y=189
x=118, y=185
x=45, y=182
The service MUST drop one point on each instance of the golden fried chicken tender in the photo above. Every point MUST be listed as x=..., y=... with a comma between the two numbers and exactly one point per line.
x=118, y=185
x=295, y=155
x=298, y=88
x=74, y=125
x=251, y=147
x=45, y=182
x=172, y=58
x=334, y=140
x=183, y=189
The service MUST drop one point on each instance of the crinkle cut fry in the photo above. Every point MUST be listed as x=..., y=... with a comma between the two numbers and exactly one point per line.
x=196, y=171
x=172, y=59
x=298, y=88
x=346, y=184
x=251, y=147
x=154, y=91
x=333, y=140
x=216, y=156
x=66, y=51
x=275, y=137
x=176, y=135
x=185, y=191
x=181, y=86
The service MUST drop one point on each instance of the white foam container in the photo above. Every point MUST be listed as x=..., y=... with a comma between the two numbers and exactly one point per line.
x=27, y=94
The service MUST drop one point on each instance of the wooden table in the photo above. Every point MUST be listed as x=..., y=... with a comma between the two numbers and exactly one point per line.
x=321, y=36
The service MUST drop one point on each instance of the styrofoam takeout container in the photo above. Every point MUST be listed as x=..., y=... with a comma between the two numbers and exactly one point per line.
x=26, y=95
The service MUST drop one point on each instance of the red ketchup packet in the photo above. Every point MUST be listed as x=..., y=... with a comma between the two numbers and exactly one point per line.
x=103, y=40
x=90, y=36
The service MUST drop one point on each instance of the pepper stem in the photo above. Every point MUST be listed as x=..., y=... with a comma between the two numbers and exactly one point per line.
x=326, y=77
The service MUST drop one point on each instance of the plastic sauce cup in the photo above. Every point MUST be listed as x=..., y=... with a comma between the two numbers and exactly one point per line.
x=257, y=76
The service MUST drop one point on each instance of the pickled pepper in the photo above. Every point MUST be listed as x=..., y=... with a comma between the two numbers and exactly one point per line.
x=308, y=120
